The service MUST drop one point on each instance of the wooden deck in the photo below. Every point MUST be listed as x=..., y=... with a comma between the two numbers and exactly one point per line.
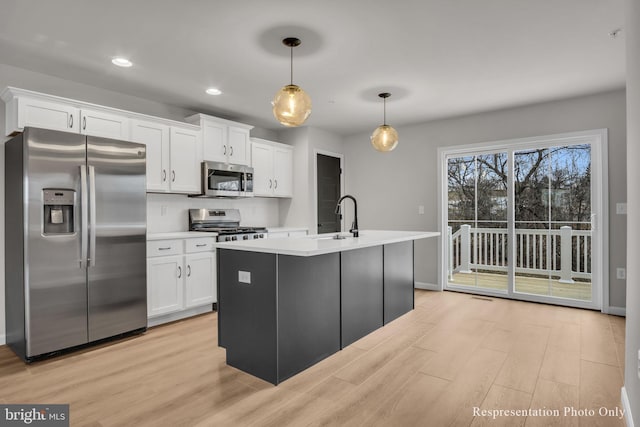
x=524, y=284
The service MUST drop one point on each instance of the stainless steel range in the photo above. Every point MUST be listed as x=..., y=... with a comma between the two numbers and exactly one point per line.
x=225, y=222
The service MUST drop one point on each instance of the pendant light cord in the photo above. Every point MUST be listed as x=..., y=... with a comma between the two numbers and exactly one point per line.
x=291, y=65
x=384, y=111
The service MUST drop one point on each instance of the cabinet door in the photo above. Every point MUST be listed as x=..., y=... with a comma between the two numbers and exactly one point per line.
x=262, y=164
x=200, y=282
x=185, y=163
x=282, y=172
x=47, y=115
x=238, y=145
x=165, y=278
x=98, y=123
x=156, y=137
x=214, y=144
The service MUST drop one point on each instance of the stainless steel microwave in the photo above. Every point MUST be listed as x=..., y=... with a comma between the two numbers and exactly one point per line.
x=226, y=180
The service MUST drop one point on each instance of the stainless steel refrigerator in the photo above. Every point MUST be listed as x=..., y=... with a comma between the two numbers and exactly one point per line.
x=75, y=241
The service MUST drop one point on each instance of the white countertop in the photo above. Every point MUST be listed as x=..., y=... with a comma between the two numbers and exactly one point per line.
x=324, y=244
x=179, y=235
x=285, y=229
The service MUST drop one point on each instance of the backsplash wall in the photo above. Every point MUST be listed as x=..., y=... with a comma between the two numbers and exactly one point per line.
x=169, y=212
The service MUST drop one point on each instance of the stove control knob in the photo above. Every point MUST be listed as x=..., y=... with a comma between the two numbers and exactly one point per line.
x=234, y=237
x=227, y=239
x=245, y=237
x=260, y=236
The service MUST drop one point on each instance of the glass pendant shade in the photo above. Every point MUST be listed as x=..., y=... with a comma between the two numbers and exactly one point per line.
x=291, y=106
x=384, y=138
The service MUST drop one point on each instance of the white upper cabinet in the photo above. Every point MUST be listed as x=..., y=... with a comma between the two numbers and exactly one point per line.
x=26, y=108
x=42, y=114
x=106, y=125
x=156, y=137
x=282, y=171
x=272, y=164
x=173, y=159
x=214, y=141
x=223, y=140
x=185, y=161
x=238, y=145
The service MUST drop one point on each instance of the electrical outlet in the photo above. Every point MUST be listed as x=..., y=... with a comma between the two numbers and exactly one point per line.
x=244, y=277
x=621, y=208
x=420, y=210
x=621, y=273
x=163, y=210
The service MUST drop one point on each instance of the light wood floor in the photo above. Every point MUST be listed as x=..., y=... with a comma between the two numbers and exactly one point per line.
x=525, y=284
x=428, y=368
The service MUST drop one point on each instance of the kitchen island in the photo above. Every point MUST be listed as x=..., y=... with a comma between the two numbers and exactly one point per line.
x=286, y=304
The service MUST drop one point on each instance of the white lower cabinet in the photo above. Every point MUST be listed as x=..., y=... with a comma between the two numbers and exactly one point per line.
x=164, y=285
x=181, y=279
x=200, y=269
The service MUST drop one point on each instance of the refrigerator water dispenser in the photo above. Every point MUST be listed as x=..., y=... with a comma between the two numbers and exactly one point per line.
x=58, y=211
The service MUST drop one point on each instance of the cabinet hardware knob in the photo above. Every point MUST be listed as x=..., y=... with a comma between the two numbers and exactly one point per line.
x=164, y=175
x=201, y=245
x=173, y=176
x=188, y=271
x=71, y=121
x=276, y=183
x=231, y=149
x=224, y=150
x=270, y=183
x=84, y=123
x=179, y=272
x=164, y=249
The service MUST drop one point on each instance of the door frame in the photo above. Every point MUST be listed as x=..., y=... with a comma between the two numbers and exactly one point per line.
x=317, y=151
x=598, y=138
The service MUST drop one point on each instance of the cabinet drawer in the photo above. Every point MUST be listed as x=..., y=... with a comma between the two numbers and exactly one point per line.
x=164, y=247
x=201, y=244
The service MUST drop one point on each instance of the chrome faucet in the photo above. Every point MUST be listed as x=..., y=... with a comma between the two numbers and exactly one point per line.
x=354, y=226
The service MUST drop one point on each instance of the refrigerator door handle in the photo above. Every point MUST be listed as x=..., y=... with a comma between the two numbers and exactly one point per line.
x=84, y=216
x=92, y=216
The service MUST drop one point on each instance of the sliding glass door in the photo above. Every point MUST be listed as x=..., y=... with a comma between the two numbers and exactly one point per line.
x=520, y=219
x=477, y=220
x=553, y=221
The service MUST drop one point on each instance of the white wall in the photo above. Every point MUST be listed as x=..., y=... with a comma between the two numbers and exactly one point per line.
x=632, y=341
x=169, y=212
x=259, y=212
x=390, y=186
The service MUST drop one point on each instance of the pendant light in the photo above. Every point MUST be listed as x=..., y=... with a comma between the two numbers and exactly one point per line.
x=384, y=138
x=291, y=105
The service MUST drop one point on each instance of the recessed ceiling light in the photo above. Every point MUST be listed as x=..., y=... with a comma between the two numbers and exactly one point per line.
x=213, y=91
x=121, y=62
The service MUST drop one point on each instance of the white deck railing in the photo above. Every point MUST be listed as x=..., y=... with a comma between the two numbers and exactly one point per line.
x=564, y=253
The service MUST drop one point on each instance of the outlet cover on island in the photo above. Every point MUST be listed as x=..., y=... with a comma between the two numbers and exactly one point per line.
x=421, y=210
x=621, y=273
x=244, y=277
x=621, y=208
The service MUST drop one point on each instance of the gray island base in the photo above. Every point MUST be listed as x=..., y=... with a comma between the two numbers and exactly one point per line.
x=287, y=304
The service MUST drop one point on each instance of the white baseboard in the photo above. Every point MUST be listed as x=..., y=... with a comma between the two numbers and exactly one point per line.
x=618, y=311
x=626, y=407
x=172, y=317
x=427, y=286
x=3, y=339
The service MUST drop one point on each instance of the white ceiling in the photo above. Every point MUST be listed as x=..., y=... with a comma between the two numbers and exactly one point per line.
x=438, y=58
